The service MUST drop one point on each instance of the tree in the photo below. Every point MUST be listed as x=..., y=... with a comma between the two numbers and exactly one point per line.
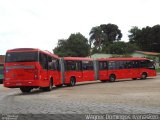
x=103, y=35
x=122, y=48
x=61, y=48
x=75, y=45
x=147, y=38
x=134, y=34
x=96, y=37
x=112, y=32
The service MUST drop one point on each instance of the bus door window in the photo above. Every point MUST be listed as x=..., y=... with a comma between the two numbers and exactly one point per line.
x=88, y=72
x=43, y=61
x=128, y=67
x=103, y=70
x=53, y=69
x=135, y=69
x=44, y=64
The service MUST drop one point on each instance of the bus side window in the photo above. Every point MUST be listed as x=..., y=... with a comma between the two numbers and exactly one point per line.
x=120, y=64
x=135, y=64
x=52, y=63
x=87, y=65
x=150, y=65
x=70, y=65
x=128, y=64
x=43, y=61
x=112, y=65
x=143, y=64
x=78, y=65
x=103, y=65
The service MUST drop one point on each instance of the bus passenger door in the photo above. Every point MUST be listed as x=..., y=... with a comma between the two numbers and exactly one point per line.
x=134, y=71
x=103, y=72
x=88, y=70
x=53, y=70
x=44, y=70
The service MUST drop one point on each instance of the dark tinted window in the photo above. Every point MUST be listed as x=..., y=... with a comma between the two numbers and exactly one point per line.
x=143, y=64
x=73, y=65
x=102, y=65
x=70, y=65
x=120, y=64
x=135, y=64
x=147, y=64
x=128, y=64
x=87, y=65
x=53, y=63
x=22, y=57
x=43, y=61
x=112, y=65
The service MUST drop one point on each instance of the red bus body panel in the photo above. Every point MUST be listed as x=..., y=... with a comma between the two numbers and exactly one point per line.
x=81, y=75
x=125, y=73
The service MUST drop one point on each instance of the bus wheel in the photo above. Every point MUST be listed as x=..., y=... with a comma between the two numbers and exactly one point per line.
x=134, y=78
x=144, y=76
x=49, y=88
x=112, y=78
x=72, y=81
x=25, y=89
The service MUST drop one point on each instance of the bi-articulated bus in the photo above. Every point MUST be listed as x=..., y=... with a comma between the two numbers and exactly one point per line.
x=28, y=68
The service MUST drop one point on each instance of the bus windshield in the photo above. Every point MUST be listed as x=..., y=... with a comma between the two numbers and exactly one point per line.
x=21, y=57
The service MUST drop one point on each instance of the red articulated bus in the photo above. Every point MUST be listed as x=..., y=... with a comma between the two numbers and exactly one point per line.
x=28, y=68
x=121, y=68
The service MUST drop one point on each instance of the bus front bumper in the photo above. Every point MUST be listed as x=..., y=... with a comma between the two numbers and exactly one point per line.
x=17, y=84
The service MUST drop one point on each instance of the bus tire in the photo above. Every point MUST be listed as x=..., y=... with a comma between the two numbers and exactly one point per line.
x=25, y=89
x=72, y=81
x=144, y=76
x=49, y=88
x=112, y=78
x=134, y=78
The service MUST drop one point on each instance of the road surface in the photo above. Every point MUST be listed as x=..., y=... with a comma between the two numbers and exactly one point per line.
x=122, y=97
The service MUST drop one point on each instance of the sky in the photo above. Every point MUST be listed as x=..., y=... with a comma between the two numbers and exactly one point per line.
x=41, y=23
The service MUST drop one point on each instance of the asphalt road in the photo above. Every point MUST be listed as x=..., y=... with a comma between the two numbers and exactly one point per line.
x=122, y=97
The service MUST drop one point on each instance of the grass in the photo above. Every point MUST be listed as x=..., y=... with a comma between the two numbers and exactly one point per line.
x=158, y=70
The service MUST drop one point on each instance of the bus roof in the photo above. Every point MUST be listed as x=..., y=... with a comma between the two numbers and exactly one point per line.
x=77, y=58
x=116, y=59
x=32, y=50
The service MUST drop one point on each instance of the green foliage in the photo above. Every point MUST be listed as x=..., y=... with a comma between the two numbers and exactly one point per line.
x=147, y=38
x=158, y=70
x=75, y=45
x=96, y=37
x=103, y=35
x=112, y=32
x=121, y=48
